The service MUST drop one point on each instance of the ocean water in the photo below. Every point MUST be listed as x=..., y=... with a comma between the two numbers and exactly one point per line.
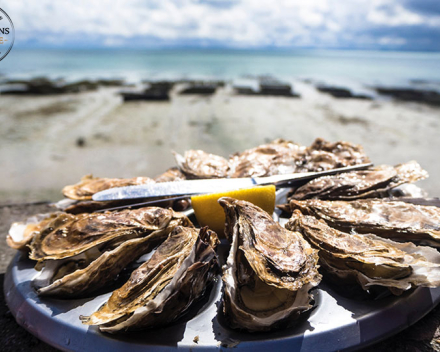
x=341, y=67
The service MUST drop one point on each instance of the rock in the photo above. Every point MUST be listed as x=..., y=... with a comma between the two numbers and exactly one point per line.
x=339, y=92
x=205, y=89
x=430, y=97
x=46, y=86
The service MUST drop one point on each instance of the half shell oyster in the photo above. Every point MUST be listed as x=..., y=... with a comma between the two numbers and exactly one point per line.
x=80, y=254
x=371, y=183
x=368, y=259
x=90, y=185
x=164, y=287
x=398, y=221
x=269, y=270
x=199, y=164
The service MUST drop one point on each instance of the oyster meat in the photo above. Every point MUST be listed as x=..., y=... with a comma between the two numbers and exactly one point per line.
x=21, y=233
x=269, y=271
x=164, y=287
x=370, y=183
x=90, y=185
x=399, y=221
x=368, y=259
x=198, y=164
x=80, y=254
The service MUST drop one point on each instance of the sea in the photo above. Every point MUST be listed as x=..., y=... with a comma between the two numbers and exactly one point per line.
x=352, y=68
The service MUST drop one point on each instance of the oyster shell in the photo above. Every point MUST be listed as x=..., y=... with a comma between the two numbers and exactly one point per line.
x=399, y=221
x=277, y=157
x=79, y=255
x=164, y=287
x=324, y=155
x=89, y=271
x=199, y=164
x=368, y=259
x=21, y=233
x=90, y=185
x=369, y=183
x=172, y=174
x=269, y=270
x=68, y=235
x=283, y=157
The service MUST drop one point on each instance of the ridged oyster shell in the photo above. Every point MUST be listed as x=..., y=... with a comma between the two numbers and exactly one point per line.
x=368, y=259
x=162, y=288
x=89, y=185
x=269, y=270
x=80, y=254
x=370, y=183
x=399, y=221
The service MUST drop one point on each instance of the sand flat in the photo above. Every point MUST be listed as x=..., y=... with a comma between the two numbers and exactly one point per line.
x=40, y=151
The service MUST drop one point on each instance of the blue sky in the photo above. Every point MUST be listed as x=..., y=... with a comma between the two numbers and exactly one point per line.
x=358, y=24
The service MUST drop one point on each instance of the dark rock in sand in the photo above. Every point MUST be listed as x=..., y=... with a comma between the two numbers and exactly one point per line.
x=45, y=86
x=157, y=91
x=430, y=97
x=80, y=142
x=339, y=92
x=267, y=86
x=276, y=88
x=205, y=89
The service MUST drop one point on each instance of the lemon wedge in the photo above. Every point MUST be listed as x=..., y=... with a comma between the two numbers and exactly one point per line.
x=209, y=213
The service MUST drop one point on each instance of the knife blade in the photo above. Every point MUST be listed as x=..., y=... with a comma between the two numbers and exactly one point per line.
x=193, y=187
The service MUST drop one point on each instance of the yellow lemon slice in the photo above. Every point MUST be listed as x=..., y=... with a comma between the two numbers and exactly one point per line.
x=209, y=213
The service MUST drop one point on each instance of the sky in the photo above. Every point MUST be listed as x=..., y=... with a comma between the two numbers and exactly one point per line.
x=345, y=24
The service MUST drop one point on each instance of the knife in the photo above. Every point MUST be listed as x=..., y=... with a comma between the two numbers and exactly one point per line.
x=193, y=187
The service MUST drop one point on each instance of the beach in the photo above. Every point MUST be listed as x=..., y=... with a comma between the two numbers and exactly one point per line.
x=47, y=142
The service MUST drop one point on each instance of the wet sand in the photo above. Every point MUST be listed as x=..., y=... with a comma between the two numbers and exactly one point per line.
x=50, y=141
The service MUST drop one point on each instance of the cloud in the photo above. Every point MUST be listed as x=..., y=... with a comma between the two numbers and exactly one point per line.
x=389, y=24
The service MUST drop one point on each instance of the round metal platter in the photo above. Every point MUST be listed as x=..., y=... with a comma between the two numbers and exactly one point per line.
x=335, y=323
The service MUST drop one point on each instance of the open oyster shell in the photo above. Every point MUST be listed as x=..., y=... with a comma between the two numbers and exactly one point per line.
x=277, y=157
x=68, y=235
x=89, y=271
x=368, y=259
x=269, y=270
x=21, y=233
x=80, y=254
x=398, y=221
x=324, y=155
x=164, y=287
x=199, y=164
x=370, y=183
x=90, y=185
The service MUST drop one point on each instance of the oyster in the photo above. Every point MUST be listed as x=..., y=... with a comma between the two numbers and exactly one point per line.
x=21, y=233
x=369, y=183
x=164, y=287
x=80, y=254
x=90, y=185
x=199, y=164
x=399, y=221
x=324, y=155
x=368, y=259
x=277, y=157
x=89, y=271
x=269, y=270
x=68, y=235
x=173, y=174
x=284, y=157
